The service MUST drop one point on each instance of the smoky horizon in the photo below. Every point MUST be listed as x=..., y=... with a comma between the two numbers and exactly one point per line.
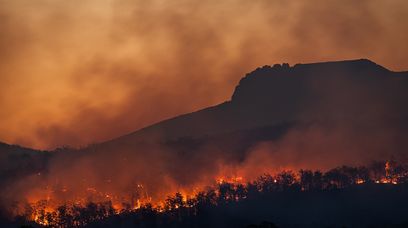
x=75, y=73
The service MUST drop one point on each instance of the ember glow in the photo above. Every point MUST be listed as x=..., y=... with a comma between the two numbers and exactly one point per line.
x=156, y=111
x=45, y=209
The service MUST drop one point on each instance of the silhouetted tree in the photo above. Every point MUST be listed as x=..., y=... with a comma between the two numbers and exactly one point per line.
x=266, y=183
x=306, y=179
x=226, y=192
x=285, y=180
x=377, y=170
x=317, y=180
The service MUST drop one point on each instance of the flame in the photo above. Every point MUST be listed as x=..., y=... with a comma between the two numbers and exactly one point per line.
x=233, y=179
x=45, y=203
x=389, y=177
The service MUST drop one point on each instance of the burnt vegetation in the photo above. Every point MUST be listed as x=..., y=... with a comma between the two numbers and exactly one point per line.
x=375, y=195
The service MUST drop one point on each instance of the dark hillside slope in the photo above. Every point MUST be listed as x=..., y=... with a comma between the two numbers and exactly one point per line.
x=365, y=100
x=318, y=115
x=17, y=162
x=346, y=90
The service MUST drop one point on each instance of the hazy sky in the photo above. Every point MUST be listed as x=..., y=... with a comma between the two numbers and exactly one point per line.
x=82, y=71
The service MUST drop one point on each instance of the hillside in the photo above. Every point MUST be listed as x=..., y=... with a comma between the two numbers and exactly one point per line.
x=308, y=116
x=356, y=90
x=356, y=96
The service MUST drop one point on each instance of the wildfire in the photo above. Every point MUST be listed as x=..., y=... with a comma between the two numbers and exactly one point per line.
x=390, y=177
x=234, y=179
x=46, y=207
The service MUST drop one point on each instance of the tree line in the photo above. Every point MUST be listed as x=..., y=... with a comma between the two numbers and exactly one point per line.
x=178, y=210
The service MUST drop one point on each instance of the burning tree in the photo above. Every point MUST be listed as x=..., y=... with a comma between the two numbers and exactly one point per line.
x=178, y=206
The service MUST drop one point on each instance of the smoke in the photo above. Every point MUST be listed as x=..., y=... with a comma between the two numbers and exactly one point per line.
x=78, y=72
x=151, y=172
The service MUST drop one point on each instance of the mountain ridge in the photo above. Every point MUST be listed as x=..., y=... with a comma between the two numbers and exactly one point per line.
x=315, y=116
x=249, y=94
x=228, y=114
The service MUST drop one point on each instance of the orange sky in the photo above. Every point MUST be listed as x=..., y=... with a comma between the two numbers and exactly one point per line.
x=82, y=71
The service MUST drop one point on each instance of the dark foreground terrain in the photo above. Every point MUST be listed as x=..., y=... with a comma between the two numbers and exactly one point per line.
x=342, y=197
x=360, y=206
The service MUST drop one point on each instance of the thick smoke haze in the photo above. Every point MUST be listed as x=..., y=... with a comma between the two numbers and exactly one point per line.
x=115, y=174
x=309, y=116
x=78, y=72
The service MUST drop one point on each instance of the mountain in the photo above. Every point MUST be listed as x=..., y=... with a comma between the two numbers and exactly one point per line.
x=317, y=115
x=280, y=94
x=306, y=116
